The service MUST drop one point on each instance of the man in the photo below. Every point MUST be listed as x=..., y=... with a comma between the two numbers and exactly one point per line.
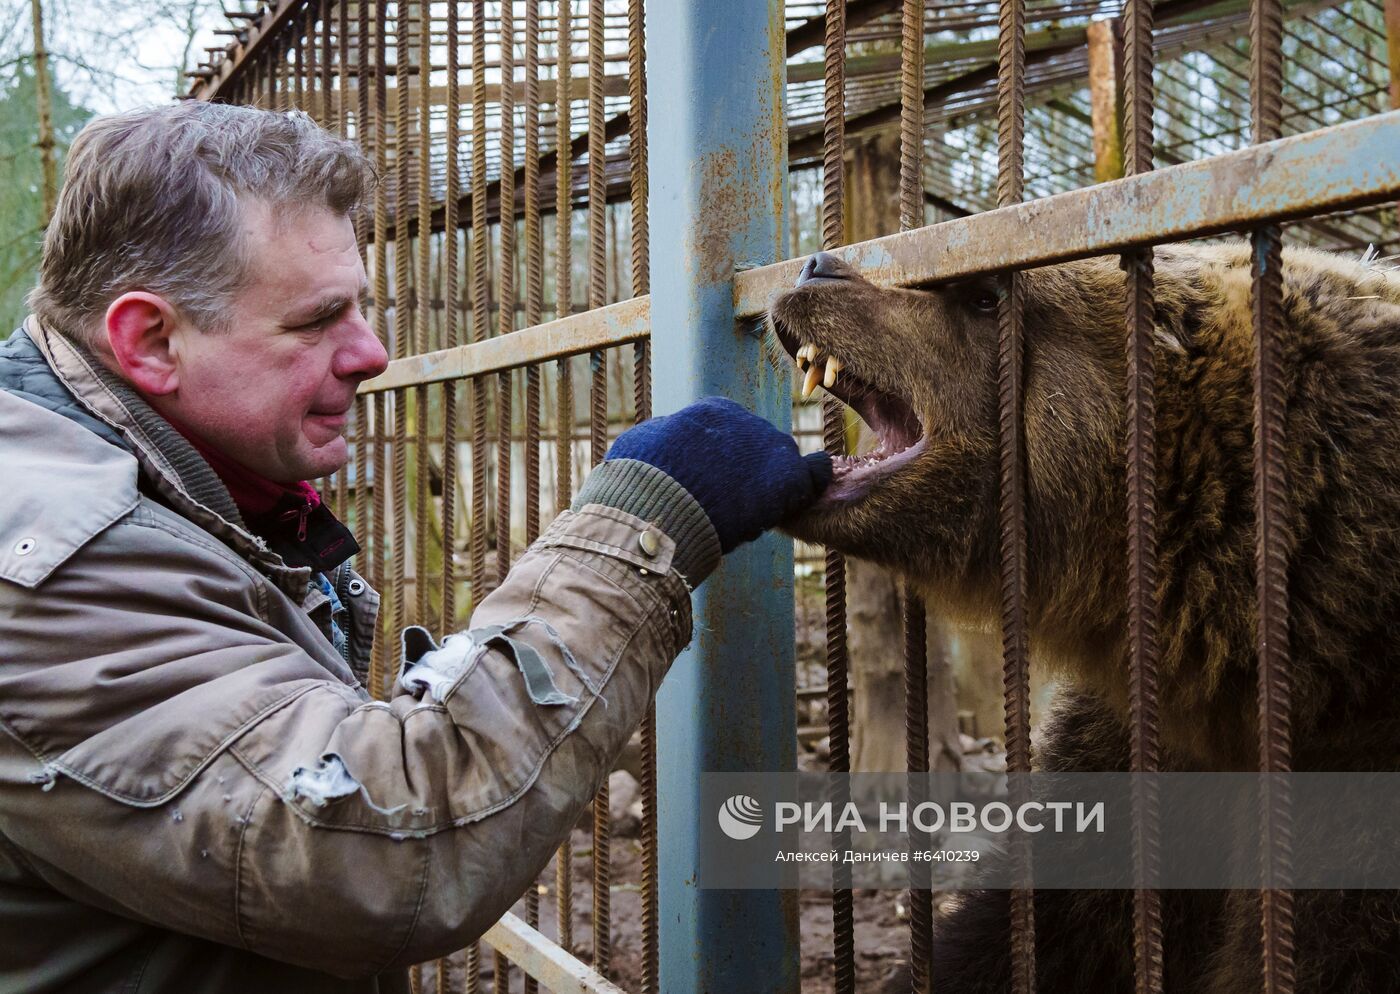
x=196, y=792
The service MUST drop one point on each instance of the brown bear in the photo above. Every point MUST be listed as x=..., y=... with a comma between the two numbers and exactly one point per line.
x=920, y=367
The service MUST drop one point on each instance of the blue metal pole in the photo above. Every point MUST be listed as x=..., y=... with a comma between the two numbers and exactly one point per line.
x=717, y=148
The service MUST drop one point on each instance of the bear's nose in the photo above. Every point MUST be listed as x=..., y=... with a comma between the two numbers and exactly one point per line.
x=824, y=265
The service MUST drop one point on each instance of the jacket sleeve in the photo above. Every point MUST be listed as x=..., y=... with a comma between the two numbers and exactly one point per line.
x=321, y=829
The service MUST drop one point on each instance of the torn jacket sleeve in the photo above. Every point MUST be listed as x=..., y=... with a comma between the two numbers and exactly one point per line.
x=352, y=836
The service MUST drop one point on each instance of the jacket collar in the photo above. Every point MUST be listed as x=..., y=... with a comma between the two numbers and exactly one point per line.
x=171, y=464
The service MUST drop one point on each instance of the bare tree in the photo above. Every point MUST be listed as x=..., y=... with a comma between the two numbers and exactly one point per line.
x=44, y=107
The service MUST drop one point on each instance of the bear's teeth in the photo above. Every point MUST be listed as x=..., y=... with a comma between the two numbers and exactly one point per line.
x=833, y=366
x=814, y=374
x=806, y=354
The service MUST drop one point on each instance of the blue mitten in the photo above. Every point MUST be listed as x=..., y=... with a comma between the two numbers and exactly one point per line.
x=747, y=475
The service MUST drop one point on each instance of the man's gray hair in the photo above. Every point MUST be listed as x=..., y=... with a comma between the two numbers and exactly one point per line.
x=151, y=201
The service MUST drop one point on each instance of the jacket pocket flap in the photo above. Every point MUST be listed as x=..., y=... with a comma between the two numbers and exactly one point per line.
x=151, y=757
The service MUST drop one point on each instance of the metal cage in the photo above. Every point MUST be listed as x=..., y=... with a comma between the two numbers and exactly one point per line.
x=520, y=347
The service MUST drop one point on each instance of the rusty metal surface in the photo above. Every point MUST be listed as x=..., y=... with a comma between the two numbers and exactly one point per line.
x=534, y=305
x=598, y=437
x=915, y=621
x=1270, y=509
x=1346, y=166
x=716, y=68
x=641, y=404
x=480, y=302
x=834, y=441
x=616, y=324
x=564, y=428
x=1011, y=113
x=1145, y=657
x=451, y=329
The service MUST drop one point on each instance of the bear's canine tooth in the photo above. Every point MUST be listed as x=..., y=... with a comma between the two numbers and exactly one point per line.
x=814, y=373
x=833, y=366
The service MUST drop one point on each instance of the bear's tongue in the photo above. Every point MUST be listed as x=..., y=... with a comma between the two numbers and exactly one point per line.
x=891, y=418
x=893, y=422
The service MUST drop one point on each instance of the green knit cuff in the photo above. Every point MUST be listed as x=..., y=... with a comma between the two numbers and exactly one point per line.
x=641, y=489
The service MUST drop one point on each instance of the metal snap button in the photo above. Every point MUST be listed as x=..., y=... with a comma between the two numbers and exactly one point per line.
x=650, y=542
x=25, y=546
x=356, y=588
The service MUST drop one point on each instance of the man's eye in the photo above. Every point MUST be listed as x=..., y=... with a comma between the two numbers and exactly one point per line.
x=317, y=325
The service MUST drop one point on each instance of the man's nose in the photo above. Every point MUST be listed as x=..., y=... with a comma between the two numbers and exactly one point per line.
x=363, y=357
x=826, y=266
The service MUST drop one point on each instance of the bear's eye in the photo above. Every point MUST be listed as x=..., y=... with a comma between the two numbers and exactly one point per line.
x=985, y=300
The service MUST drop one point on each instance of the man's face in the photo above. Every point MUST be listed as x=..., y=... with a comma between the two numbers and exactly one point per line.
x=273, y=390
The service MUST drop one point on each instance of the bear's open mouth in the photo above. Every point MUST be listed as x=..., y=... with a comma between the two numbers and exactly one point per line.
x=890, y=416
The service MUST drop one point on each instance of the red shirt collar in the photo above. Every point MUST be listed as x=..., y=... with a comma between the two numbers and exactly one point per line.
x=254, y=494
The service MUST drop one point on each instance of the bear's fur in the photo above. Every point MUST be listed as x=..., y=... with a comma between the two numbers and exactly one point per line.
x=931, y=515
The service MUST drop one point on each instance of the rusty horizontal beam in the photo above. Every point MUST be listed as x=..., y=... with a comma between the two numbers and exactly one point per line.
x=813, y=30
x=1339, y=168
x=544, y=960
x=604, y=328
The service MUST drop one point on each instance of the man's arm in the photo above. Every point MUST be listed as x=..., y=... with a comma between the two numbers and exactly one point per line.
x=319, y=829
x=174, y=758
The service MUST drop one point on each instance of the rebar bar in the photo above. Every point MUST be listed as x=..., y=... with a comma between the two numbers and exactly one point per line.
x=1011, y=63
x=1144, y=658
x=834, y=439
x=1270, y=510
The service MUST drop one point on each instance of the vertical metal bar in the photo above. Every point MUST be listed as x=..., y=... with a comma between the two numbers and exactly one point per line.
x=274, y=79
x=451, y=333
x=1144, y=659
x=422, y=296
x=331, y=59
x=312, y=95
x=598, y=435
x=563, y=284
x=381, y=318
x=1270, y=509
x=641, y=404
x=362, y=81
x=534, y=306
x=505, y=325
x=506, y=317
x=911, y=215
x=480, y=245
x=834, y=440
x=298, y=66
x=1016, y=663
x=917, y=762
x=403, y=329
x=718, y=70
x=481, y=316
x=911, y=117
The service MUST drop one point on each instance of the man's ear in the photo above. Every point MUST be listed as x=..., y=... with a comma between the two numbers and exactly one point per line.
x=142, y=331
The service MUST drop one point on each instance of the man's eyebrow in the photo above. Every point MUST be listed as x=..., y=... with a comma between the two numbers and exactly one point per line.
x=329, y=307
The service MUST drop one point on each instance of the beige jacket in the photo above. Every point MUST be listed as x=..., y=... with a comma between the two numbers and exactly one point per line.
x=196, y=792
